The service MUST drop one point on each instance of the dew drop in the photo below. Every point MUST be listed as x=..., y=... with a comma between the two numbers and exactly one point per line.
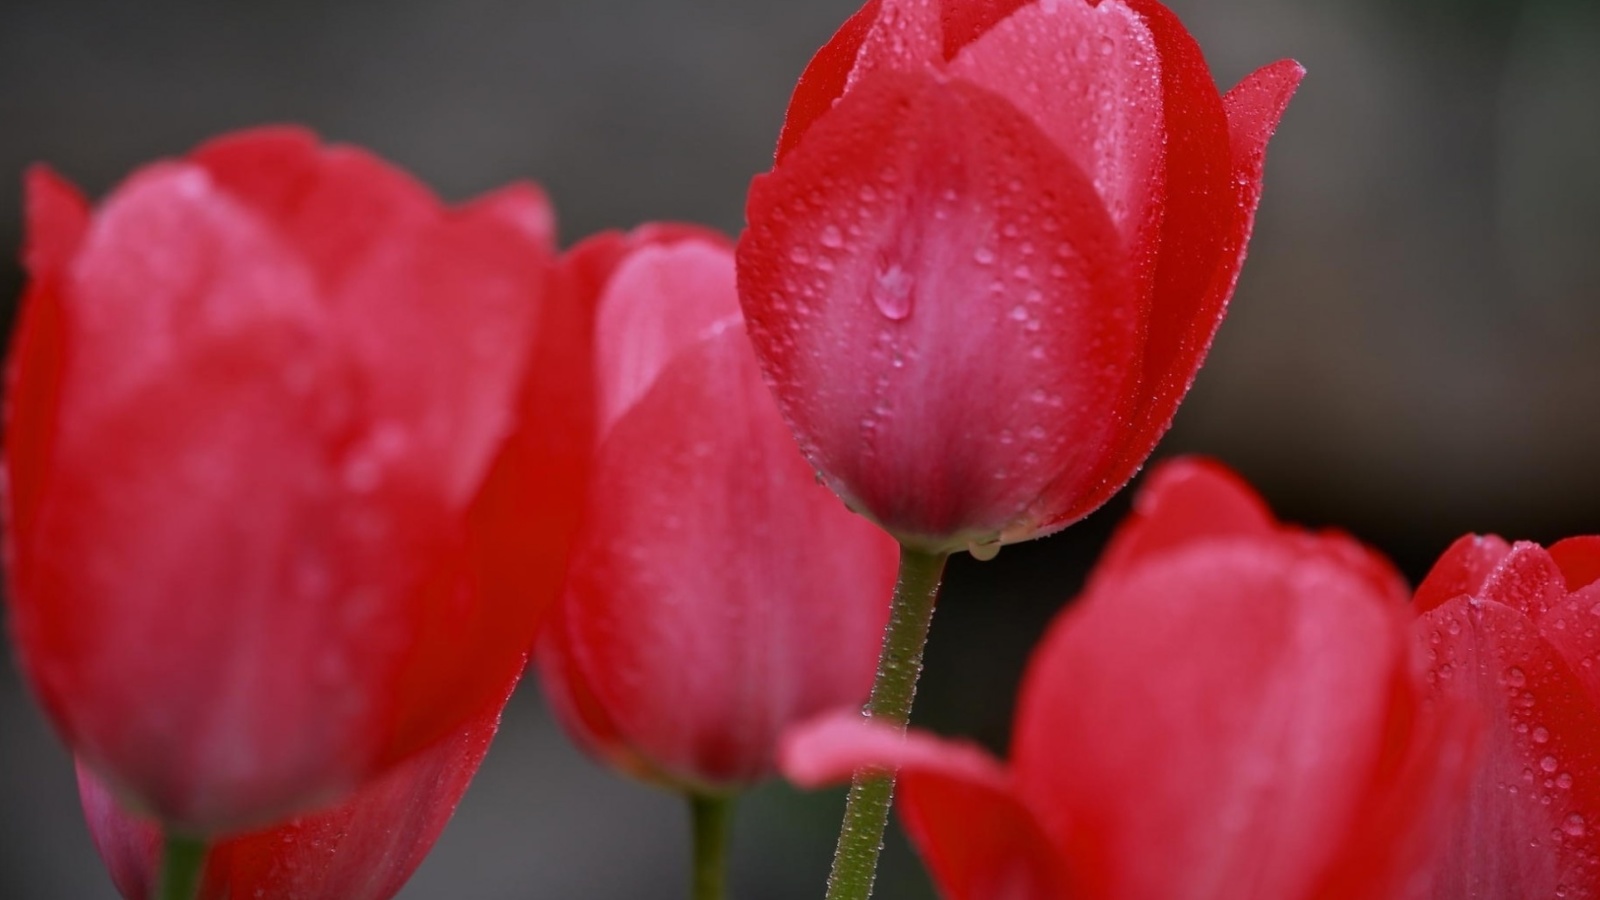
x=799, y=255
x=831, y=237
x=1516, y=678
x=983, y=551
x=1575, y=825
x=1548, y=764
x=1541, y=735
x=891, y=293
x=983, y=256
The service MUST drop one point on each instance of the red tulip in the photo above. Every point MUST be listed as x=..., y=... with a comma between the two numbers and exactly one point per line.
x=1234, y=709
x=716, y=593
x=285, y=474
x=1515, y=631
x=363, y=849
x=993, y=251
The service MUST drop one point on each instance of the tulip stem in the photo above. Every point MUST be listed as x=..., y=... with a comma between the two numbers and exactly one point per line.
x=182, y=859
x=866, y=811
x=713, y=820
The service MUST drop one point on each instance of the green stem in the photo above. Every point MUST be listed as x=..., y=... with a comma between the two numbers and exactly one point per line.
x=713, y=818
x=866, y=812
x=182, y=860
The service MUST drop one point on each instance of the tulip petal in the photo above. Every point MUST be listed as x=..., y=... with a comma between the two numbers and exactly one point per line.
x=824, y=79
x=659, y=300
x=171, y=261
x=1526, y=579
x=1579, y=559
x=767, y=633
x=1529, y=828
x=905, y=37
x=1240, y=689
x=1462, y=569
x=1087, y=76
x=339, y=205
x=58, y=216
x=975, y=834
x=953, y=234
x=365, y=848
x=1182, y=501
x=964, y=21
x=1209, y=214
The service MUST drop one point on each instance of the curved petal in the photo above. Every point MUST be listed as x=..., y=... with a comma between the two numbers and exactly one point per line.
x=1579, y=559
x=964, y=21
x=1090, y=79
x=905, y=37
x=340, y=206
x=824, y=79
x=659, y=300
x=171, y=260
x=58, y=217
x=365, y=848
x=1242, y=690
x=1181, y=501
x=974, y=832
x=1209, y=213
x=701, y=666
x=948, y=327
x=1526, y=579
x=1462, y=569
x=1530, y=827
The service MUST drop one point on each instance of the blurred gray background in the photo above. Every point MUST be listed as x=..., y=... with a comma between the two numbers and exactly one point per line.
x=1411, y=354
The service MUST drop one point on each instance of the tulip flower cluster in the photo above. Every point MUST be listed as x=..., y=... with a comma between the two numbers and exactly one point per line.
x=303, y=467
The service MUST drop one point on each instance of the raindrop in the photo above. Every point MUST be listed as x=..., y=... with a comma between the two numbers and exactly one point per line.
x=1548, y=764
x=831, y=237
x=799, y=255
x=1541, y=735
x=984, y=551
x=891, y=292
x=1574, y=825
x=983, y=256
x=1516, y=678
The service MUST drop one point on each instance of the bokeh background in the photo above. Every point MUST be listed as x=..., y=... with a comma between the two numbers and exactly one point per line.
x=1413, y=352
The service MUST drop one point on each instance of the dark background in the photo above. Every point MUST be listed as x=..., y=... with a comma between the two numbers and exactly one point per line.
x=1411, y=354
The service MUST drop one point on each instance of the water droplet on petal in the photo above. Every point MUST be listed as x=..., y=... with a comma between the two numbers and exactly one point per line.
x=983, y=551
x=831, y=237
x=891, y=292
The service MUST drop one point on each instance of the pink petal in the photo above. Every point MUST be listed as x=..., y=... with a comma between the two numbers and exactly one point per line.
x=659, y=300
x=1462, y=569
x=1241, y=690
x=1210, y=205
x=948, y=326
x=975, y=834
x=1089, y=78
x=1526, y=579
x=905, y=37
x=717, y=593
x=1530, y=825
x=171, y=261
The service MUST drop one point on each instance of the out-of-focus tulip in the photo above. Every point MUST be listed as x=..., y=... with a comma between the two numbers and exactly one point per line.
x=363, y=849
x=286, y=468
x=1514, y=630
x=993, y=251
x=717, y=593
x=1233, y=709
